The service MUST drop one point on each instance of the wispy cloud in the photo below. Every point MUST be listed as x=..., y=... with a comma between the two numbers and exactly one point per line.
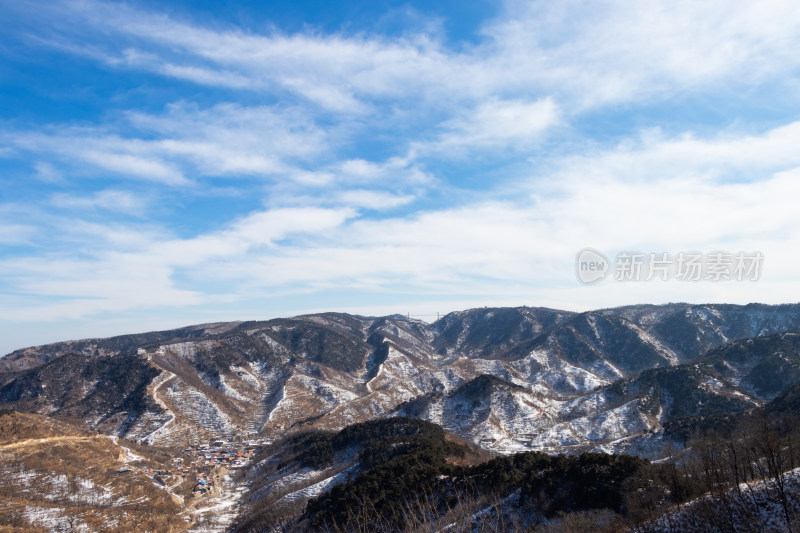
x=496, y=124
x=591, y=55
x=184, y=143
x=524, y=240
x=610, y=52
x=118, y=201
x=362, y=198
x=47, y=172
x=16, y=234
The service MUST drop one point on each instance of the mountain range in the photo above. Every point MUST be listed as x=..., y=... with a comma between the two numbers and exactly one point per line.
x=626, y=379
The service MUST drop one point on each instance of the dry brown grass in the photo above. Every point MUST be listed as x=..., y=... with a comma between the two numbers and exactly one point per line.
x=71, y=476
x=15, y=426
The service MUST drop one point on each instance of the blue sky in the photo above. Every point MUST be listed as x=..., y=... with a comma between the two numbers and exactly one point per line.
x=163, y=164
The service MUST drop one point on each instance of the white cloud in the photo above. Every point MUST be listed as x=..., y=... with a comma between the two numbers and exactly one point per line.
x=497, y=124
x=615, y=51
x=225, y=140
x=398, y=171
x=134, y=165
x=376, y=200
x=47, y=172
x=539, y=65
x=605, y=52
x=503, y=248
x=127, y=157
x=144, y=275
x=742, y=157
x=16, y=234
x=111, y=200
x=205, y=76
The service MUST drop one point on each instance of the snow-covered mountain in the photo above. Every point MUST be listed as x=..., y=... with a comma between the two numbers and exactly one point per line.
x=508, y=379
